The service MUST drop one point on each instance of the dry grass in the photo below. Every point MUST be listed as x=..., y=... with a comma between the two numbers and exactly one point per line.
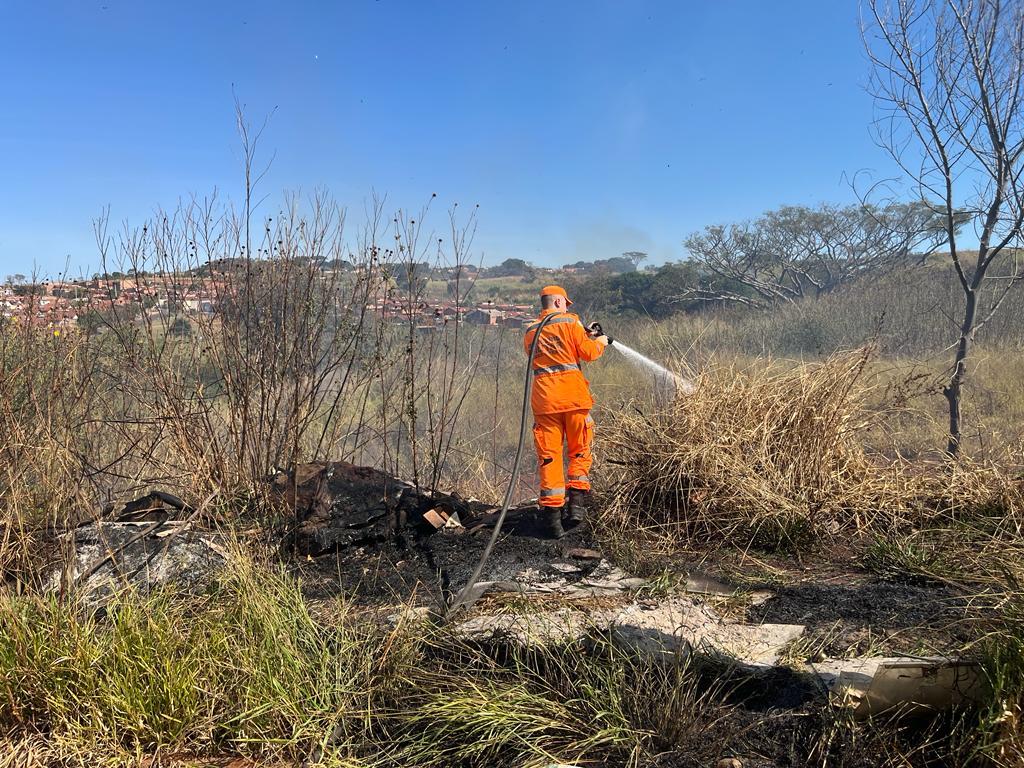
x=769, y=455
x=774, y=457
x=761, y=455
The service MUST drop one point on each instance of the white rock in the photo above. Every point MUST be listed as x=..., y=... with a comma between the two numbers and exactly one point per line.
x=680, y=623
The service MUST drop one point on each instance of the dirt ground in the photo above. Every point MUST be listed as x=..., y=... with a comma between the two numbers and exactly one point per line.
x=846, y=615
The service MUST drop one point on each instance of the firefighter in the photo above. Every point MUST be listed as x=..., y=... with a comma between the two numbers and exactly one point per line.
x=561, y=403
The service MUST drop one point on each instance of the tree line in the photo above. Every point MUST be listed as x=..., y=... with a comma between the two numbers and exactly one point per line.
x=781, y=257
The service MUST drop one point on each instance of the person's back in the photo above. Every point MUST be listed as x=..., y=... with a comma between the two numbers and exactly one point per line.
x=559, y=383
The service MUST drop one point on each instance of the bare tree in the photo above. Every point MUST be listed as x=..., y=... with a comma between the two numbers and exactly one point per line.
x=946, y=76
x=795, y=251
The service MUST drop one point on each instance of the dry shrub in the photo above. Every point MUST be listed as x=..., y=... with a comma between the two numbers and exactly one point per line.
x=48, y=388
x=973, y=535
x=765, y=456
x=218, y=351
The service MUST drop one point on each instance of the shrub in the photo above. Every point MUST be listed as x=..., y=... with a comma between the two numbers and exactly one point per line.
x=762, y=456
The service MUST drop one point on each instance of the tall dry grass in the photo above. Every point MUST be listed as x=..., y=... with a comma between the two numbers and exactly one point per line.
x=52, y=433
x=301, y=359
x=776, y=457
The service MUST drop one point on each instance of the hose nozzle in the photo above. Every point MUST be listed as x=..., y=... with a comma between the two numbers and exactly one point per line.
x=594, y=330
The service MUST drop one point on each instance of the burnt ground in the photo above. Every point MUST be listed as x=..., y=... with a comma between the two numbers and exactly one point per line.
x=426, y=566
x=361, y=534
x=871, y=617
x=848, y=611
x=364, y=536
x=862, y=616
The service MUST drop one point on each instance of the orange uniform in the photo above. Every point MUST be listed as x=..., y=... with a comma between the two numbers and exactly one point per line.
x=561, y=403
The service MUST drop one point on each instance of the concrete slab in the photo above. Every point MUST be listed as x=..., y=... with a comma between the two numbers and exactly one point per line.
x=527, y=629
x=670, y=627
x=878, y=684
x=679, y=623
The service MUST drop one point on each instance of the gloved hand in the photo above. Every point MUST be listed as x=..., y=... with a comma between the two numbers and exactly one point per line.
x=596, y=332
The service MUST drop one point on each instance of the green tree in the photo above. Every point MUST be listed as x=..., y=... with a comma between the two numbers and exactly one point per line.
x=636, y=257
x=794, y=251
x=657, y=294
x=511, y=268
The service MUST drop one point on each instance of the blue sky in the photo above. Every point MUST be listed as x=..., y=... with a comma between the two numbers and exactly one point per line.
x=582, y=129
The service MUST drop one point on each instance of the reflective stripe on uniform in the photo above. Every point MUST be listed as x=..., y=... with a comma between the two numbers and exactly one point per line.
x=555, y=368
x=545, y=492
x=553, y=321
x=579, y=478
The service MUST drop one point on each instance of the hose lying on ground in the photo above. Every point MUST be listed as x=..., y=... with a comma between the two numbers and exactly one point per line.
x=465, y=598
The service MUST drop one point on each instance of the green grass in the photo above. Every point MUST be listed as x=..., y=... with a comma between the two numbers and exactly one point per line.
x=246, y=670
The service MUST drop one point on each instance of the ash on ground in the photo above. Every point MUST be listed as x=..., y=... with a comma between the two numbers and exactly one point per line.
x=363, y=534
x=852, y=619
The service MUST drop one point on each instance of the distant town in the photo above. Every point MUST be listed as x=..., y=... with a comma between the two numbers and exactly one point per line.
x=65, y=305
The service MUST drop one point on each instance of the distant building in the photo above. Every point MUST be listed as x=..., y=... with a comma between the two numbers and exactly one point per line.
x=204, y=306
x=484, y=316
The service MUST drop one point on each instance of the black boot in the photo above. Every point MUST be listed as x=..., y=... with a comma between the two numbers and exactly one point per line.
x=577, y=510
x=551, y=522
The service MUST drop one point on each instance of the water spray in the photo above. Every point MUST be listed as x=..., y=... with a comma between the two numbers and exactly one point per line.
x=665, y=382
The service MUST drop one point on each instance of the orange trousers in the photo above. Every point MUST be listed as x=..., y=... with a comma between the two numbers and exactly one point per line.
x=550, y=432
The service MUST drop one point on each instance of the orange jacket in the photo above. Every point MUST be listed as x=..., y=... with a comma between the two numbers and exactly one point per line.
x=558, y=382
